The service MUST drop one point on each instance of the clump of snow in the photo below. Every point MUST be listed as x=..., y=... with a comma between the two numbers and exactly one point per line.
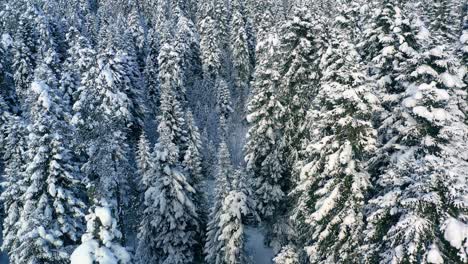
x=451, y=80
x=456, y=233
x=84, y=253
x=41, y=89
x=7, y=41
x=434, y=256
x=104, y=215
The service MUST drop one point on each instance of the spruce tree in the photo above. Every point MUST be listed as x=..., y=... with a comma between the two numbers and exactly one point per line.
x=240, y=49
x=210, y=46
x=101, y=242
x=298, y=80
x=151, y=72
x=143, y=156
x=51, y=218
x=264, y=161
x=170, y=221
x=334, y=181
x=213, y=247
x=412, y=216
x=14, y=150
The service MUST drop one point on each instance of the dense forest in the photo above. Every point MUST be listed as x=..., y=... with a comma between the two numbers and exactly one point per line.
x=185, y=131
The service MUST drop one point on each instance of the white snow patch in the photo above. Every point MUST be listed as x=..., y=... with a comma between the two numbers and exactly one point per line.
x=456, y=233
x=104, y=215
x=84, y=254
x=42, y=89
x=451, y=80
x=255, y=246
x=434, y=256
x=7, y=41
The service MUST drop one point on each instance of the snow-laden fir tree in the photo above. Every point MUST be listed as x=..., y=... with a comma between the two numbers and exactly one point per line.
x=75, y=63
x=144, y=156
x=170, y=79
x=240, y=48
x=224, y=171
x=50, y=221
x=187, y=44
x=170, y=222
x=419, y=206
x=102, y=115
x=192, y=157
x=210, y=46
x=14, y=150
x=223, y=106
x=237, y=206
x=151, y=72
x=264, y=160
x=334, y=181
x=443, y=19
x=24, y=48
x=101, y=244
x=298, y=81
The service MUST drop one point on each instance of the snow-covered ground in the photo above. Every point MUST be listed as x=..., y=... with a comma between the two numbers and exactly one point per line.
x=259, y=253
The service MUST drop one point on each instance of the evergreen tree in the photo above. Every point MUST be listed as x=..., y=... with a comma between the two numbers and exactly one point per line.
x=264, y=160
x=170, y=222
x=240, y=48
x=224, y=106
x=411, y=217
x=102, y=115
x=14, y=149
x=210, y=46
x=213, y=247
x=151, y=72
x=192, y=158
x=143, y=156
x=334, y=182
x=298, y=82
x=50, y=220
x=101, y=242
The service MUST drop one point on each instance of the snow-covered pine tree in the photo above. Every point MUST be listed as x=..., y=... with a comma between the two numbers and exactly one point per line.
x=14, y=150
x=102, y=116
x=151, y=72
x=210, y=46
x=240, y=50
x=418, y=205
x=263, y=158
x=75, y=64
x=223, y=106
x=298, y=81
x=143, y=156
x=192, y=158
x=213, y=247
x=334, y=180
x=101, y=242
x=170, y=222
x=136, y=27
x=24, y=48
x=187, y=44
x=51, y=218
x=170, y=79
x=231, y=210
